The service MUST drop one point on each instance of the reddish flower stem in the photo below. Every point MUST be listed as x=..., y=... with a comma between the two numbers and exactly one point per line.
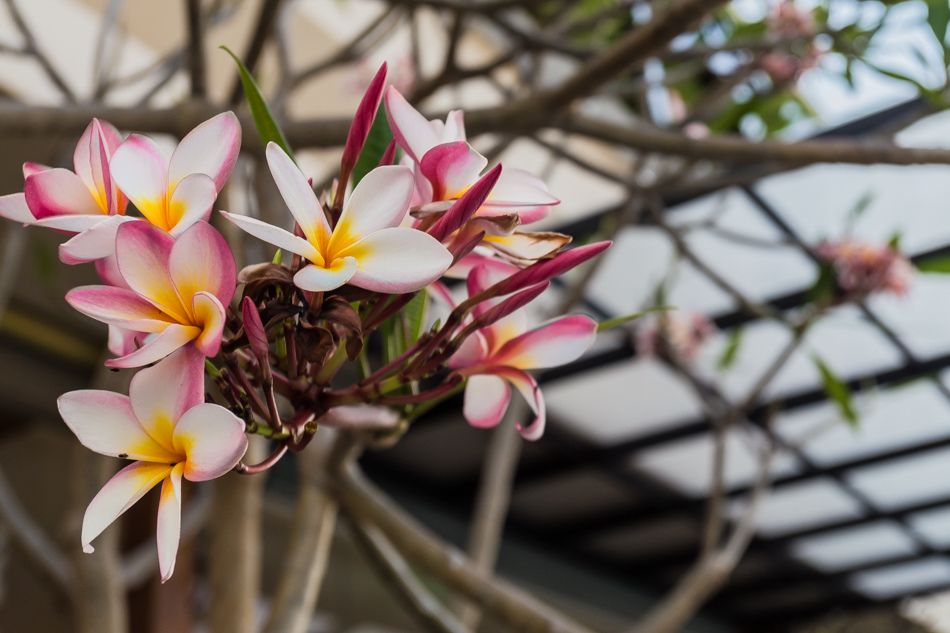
x=267, y=464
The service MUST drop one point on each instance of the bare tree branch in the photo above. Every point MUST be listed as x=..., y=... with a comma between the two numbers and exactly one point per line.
x=196, y=53
x=502, y=599
x=432, y=613
x=31, y=539
x=309, y=548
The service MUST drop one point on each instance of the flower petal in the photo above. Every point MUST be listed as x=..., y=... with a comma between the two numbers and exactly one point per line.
x=168, y=533
x=380, y=200
x=201, y=260
x=518, y=187
x=138, y=168
x=486, y=400
x=299, y=196
x=212, y=149
x=210, y=315
x=190, y=202
x=454, y=129
x=213, y=439
x=452, y=168
x=559, y=342
x=71, y=223
x=33, y=168
x=170, y=339
x=122, y=341
x=127, y=486
x=160, y=395
x=143, y=254
x=530, y=391
x=87, y=157
x=473, y=351
x=398, y=260
x=96, y=242
x=413, y=131
x=59, y=192
x=276, y=236
x=528, y=245
x=319, y=279
x=118, y=306
x=14, y=207
x=104, y=422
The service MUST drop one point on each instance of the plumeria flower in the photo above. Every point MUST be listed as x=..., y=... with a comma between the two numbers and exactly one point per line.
x=367, y=248
x=175, y=192
x=684, y=332
x=163, y=424
x=861, y=268
x=176, y=290
x=86, y=202
x=498, y=355
x=445, y=165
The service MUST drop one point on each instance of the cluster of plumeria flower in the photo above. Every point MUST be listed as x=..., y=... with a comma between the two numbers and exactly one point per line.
x=363, y=254
x=683, y=332
x=861, y=268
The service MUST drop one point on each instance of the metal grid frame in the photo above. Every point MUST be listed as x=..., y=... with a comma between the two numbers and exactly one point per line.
x=567, y=453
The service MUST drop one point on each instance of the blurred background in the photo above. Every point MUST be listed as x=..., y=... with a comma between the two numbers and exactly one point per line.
x=755, y=176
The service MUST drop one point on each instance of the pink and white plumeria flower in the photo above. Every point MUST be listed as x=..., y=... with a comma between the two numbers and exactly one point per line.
x=86, y=202
x=499, y=354
x=177, y=290
x=445, y=165
x=163, y=424
x=175, y=192
x=367, y=248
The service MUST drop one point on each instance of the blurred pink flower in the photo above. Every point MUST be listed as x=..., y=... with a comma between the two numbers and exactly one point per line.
x=684, y=332
x=862, y=268
x=783, y=67
x=787, y=20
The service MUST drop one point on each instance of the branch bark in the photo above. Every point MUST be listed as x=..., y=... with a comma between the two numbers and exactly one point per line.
x=235, y=534
x=491, y=505
x=309, y=549
x=426, y=551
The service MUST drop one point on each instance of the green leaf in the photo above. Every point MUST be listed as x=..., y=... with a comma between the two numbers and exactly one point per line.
x=376, y=143
x=609, y=323
x=862, y=204
x=825, y=286
x=266, y=125
x=278, y=257
x=731, y=352
x=415, y=312
x=938, y=16
x=838, y=392
x=895, y=241
x=935, y=264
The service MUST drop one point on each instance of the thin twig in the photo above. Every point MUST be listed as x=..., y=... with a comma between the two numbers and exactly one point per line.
x=492, y=501
x=501, y=599
x=196, y=56
x=29, y=536
x=41, y=58
x=432, y=613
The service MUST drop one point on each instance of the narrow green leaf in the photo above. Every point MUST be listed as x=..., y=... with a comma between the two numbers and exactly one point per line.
x=838, y=392
x=731, y=352
x=862, y=204
x=266, y=125
x=278, y=257
x=938, y=16
x=415, y=312
x=825, y=285
x=935, y=264
x=376, y=143
x=609, y=323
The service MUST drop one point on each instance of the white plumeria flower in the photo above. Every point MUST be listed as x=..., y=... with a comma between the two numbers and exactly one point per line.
x=367, y=248
x=164, y=424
